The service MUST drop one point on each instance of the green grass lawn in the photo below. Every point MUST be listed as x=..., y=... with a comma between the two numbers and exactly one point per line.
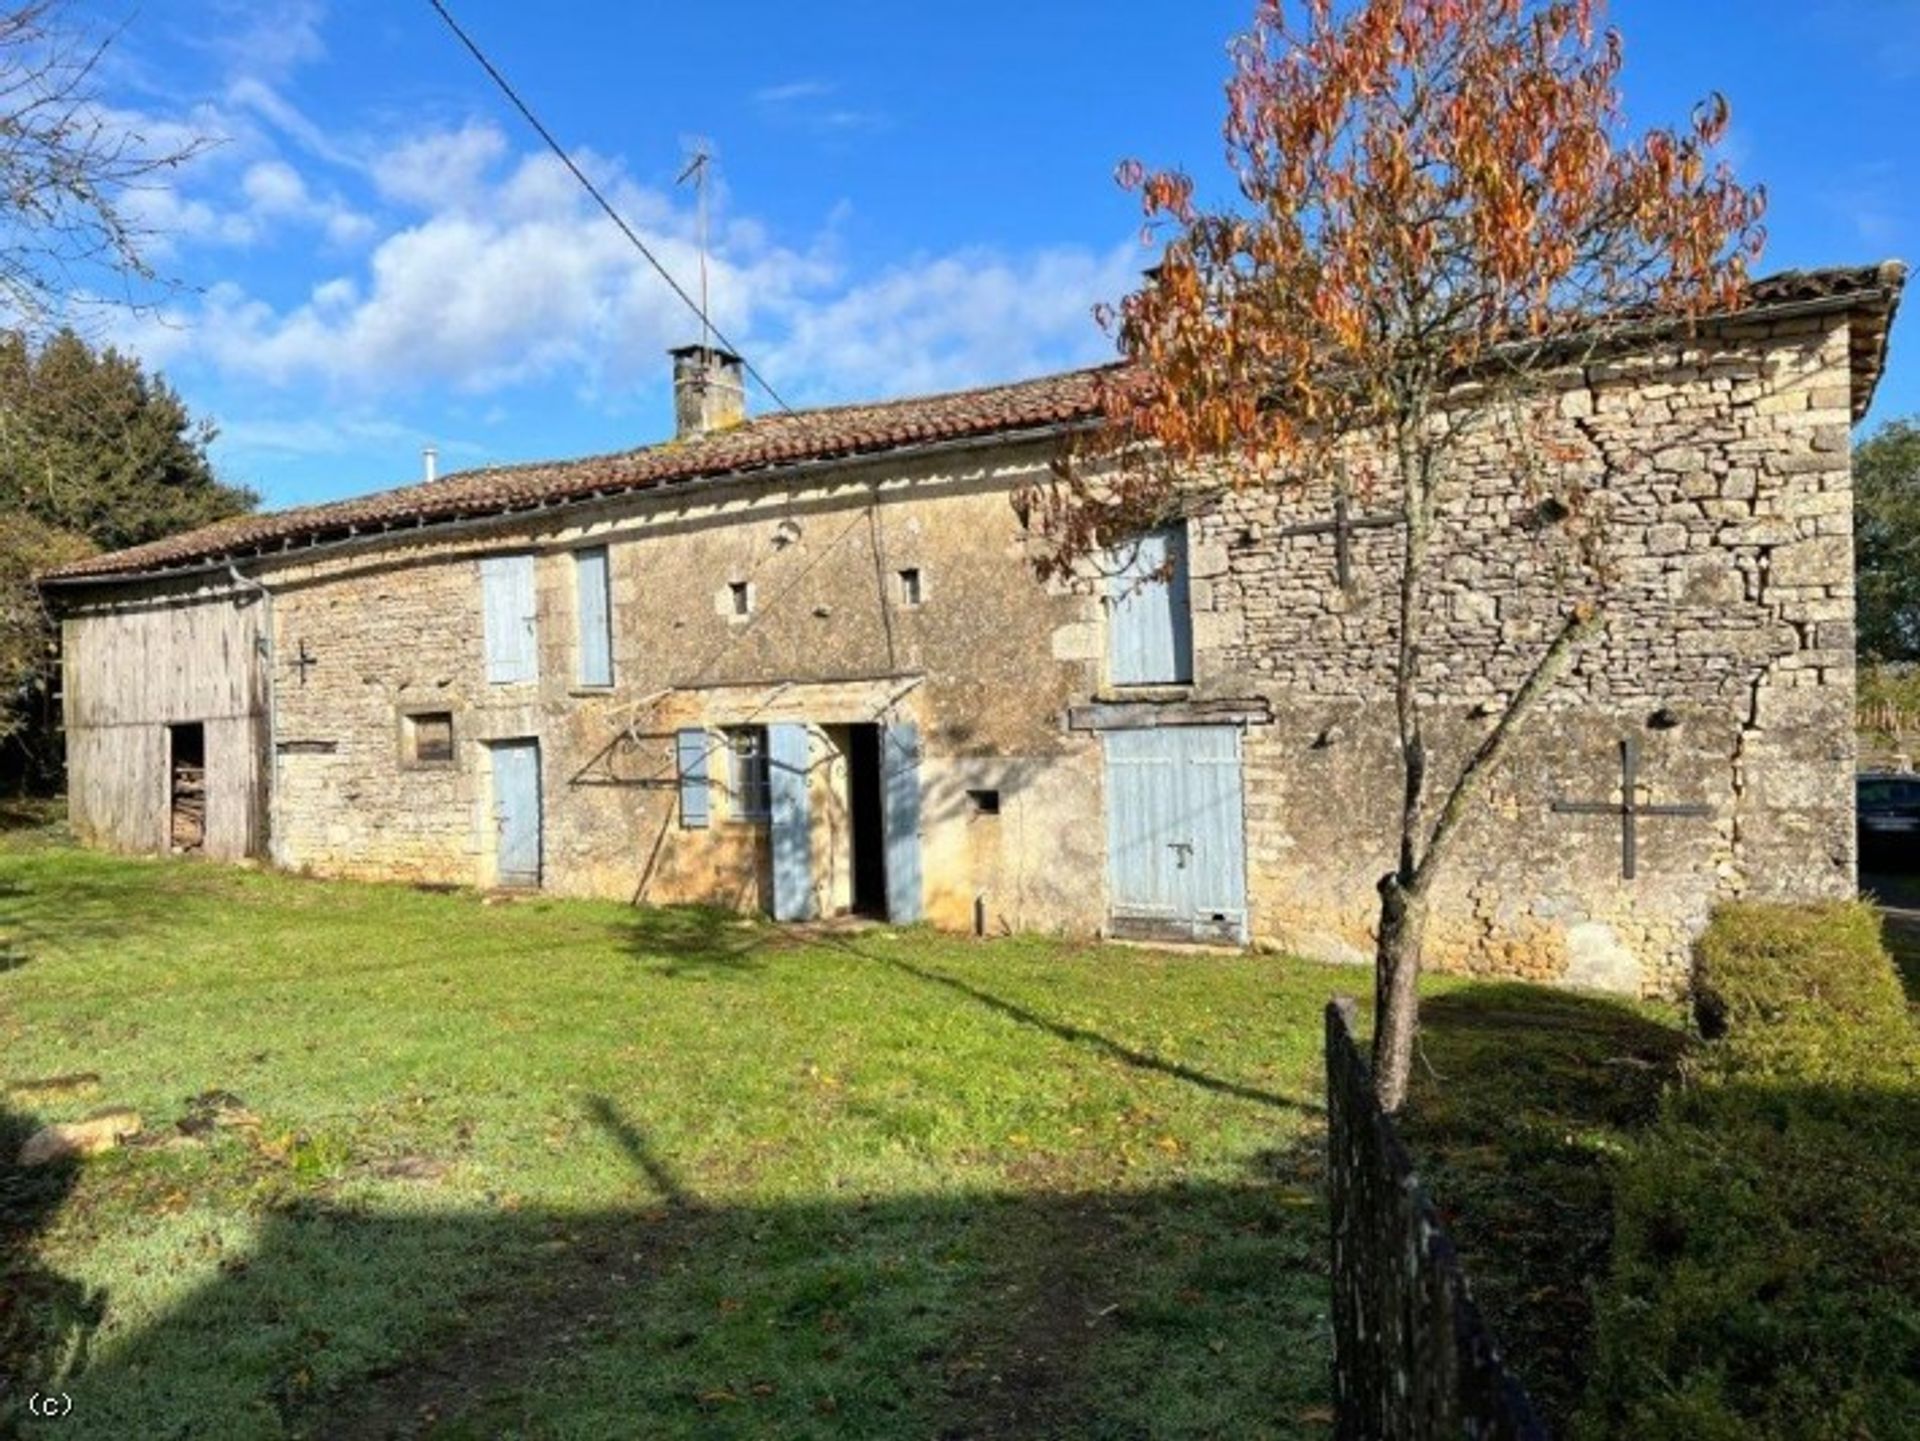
x=564, y=1169
x=570, y=1169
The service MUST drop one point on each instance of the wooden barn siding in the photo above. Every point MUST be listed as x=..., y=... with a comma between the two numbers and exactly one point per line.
x=131, y=672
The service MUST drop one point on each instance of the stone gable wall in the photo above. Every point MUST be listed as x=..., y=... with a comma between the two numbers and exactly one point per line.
x=1723, y=471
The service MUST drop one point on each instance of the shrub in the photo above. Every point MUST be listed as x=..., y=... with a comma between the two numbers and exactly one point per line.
x=1772, y=977
x=1766, y=1264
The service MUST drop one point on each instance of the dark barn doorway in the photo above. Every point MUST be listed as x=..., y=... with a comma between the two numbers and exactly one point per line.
x=187, y=786
x=864, y=805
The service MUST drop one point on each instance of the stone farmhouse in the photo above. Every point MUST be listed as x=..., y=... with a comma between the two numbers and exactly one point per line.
x=801, y=664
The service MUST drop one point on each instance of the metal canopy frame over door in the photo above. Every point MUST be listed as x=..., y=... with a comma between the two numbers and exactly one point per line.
x=1176, y=834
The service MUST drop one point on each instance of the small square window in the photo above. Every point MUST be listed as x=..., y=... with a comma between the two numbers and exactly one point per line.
x=428, y=737
x=910, y=591
x=751, y=781
x=740, y=597
x=984, y=803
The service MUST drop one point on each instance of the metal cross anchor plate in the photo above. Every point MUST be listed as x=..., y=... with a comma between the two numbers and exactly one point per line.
x=1629, y=807
x=1341, y=528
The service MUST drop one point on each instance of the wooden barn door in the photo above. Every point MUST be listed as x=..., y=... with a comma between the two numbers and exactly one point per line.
x=1176, y=852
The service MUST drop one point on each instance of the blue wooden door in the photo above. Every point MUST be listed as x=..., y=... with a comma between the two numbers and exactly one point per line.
x=516, y=812
x=900, y=820
x=788, y=813
x=1176, y=852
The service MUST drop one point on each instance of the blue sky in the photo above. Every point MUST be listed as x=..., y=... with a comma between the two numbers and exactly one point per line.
x=378, y=256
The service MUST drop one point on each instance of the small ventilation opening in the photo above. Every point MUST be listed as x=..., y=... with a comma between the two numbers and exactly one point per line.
x=984, y=803
x=739, y=597
x=910, y=592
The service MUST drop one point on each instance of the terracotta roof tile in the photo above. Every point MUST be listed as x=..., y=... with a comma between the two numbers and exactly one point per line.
x=765, y=442
x=771, y=441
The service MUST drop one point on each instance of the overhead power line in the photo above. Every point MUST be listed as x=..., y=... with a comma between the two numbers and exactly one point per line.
x=506, y=89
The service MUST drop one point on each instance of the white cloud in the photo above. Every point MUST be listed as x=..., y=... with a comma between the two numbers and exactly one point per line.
x=951, y=321
x=274, y=187
x=274, y=190
x=513, y=279
x=463, y=263
x=792, y=90
x=441, y=169
x=268, y=37
x=802, y=104
x=492, y=293
x=251, y=97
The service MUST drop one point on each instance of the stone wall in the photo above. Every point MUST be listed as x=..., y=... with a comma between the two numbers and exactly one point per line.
x=830, y=642
x=1722, y=470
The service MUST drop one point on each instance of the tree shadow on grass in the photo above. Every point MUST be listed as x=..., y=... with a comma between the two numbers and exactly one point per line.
x=1175, y=1310
x=46, y=1319
x=701, y=942
x=69, y=898
x=1075, y=1035
x=697, y=942
x=1517, y=1115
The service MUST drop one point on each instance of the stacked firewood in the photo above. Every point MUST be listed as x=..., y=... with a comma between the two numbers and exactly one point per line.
x=189, y=807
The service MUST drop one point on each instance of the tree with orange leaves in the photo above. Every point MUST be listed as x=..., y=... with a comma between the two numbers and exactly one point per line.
x=1442, y=212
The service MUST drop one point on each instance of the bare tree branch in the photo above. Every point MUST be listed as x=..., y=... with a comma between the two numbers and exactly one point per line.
x=70, y=240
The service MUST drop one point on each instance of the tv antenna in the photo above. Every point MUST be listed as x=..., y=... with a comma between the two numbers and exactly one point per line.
x=696, y=170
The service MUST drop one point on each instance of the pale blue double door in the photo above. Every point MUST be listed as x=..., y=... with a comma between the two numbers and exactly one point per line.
x=795, y=897
x=1176, y=835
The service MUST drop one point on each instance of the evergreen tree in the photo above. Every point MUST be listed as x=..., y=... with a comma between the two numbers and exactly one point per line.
x=1886, y=541
x=95, y=454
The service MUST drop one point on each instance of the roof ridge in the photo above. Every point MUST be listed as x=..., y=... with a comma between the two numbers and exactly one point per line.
x=776, y=417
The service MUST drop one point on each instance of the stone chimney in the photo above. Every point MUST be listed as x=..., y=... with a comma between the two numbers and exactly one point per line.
x=709, y=390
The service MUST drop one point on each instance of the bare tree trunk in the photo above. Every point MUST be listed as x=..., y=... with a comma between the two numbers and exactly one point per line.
x=1403, y=905
x=1396, y=999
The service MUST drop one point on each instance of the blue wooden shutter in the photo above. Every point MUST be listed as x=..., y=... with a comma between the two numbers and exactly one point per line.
x=900, y=820
x=792, y=835
x=596, y=626
x=691, y=747
x=1149, y=629
x=506, y=583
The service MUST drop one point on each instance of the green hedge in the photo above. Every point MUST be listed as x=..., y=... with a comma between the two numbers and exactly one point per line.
x=1766, y=1262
